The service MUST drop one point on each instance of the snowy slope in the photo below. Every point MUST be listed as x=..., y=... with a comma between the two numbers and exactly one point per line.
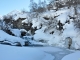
x=58, y=38
x=46, y=25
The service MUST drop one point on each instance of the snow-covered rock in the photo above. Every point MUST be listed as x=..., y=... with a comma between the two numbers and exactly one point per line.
x=12, y=39
x=16, y=32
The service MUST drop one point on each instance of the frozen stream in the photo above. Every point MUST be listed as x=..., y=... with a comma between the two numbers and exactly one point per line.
x=59, y=53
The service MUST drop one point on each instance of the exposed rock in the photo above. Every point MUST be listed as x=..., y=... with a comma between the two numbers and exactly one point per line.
x=68, y=42
x=18, y=44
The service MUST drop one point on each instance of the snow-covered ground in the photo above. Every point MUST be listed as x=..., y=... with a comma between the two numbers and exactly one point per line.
x=57, y=52
x=23, y=53
x=41, y=29
x=37, y=53
x=32, y=52
x=73, y=56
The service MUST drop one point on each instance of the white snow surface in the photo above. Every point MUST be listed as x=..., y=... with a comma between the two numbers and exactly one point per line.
x=73, y=56
x=12, y=39
x=16, y=32
x=1, y=17
x=17, y=14
x=49, y=49
x=23, y=53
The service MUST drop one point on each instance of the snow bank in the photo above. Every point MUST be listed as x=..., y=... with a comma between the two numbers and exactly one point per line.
x=63, y=15
x=73, y=56
x=23, y=53
x=40, y=35
x=12, y=39
x=16, y=32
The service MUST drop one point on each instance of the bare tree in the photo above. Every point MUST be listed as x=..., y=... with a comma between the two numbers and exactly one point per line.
x=33, y=6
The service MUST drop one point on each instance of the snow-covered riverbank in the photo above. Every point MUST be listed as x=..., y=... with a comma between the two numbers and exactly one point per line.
x=23, y=53
x=34, y=53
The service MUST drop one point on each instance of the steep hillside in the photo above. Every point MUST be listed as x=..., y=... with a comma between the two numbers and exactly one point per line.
x=55, y=27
